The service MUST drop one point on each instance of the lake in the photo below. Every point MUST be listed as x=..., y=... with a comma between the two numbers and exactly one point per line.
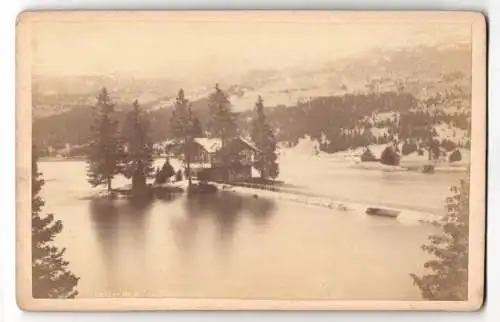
x=237, y=246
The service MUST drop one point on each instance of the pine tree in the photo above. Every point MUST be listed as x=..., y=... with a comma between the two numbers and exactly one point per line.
x=105, y=156
x=455, y=156
x=139, y=154
x=178, y=175
x=223, y=123
x=197, y=130
x=165, y=173
x=185, y=127
x=263, y=137
x=448, y=276
x=389, y=156
x=432, y=144
x=223, y=126
x=51, y=276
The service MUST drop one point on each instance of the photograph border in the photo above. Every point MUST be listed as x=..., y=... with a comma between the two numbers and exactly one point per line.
x=27, y=21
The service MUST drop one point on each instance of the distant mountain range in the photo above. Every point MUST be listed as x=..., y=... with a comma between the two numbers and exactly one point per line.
x=61, y=105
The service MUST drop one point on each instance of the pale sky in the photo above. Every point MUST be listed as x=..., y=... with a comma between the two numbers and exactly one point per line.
x=174, y=49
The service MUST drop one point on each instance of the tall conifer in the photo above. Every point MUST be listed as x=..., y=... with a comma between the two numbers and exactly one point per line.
x=139, y=148
x=51, y=277
x=223, y=126
x=185, y=127
x=105, y=157
x=265, y=141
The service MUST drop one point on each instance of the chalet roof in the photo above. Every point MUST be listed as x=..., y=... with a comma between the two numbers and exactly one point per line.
x=212, y=145
x=249, y=143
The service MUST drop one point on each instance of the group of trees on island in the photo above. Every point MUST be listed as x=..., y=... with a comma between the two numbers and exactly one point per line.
x=128, y=149
x=113, y=150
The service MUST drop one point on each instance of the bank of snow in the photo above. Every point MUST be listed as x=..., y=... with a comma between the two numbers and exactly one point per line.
x=377, y=166
x=405, y=216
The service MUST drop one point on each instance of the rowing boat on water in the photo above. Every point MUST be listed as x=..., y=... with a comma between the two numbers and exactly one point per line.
x=372, y=211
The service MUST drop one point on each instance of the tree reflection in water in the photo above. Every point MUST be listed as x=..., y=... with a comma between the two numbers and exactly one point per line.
x=123, y=228
x=225, y=210
x=120, y=227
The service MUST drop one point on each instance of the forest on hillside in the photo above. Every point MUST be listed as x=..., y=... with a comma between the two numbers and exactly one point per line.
x=337, y=122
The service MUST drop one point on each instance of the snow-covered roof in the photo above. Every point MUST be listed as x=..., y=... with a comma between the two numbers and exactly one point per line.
x=249, y=143
x=210, y=144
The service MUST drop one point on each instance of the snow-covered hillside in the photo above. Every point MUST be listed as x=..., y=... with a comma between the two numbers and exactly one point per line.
x=452, y=133
x=308, y=148
x=421, y=71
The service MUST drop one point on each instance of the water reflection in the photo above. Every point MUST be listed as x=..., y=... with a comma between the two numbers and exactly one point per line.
x=224, y=210
x=120, y=227
x=260, y=209
x=220, y=245
x=123, y=227
x=104, y=216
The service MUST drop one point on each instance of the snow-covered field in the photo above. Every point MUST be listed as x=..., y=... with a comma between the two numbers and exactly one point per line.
x=340, y=178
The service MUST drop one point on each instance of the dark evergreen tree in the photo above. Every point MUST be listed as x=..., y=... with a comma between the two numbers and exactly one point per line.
x=197, y=129
x=165, y=173
x=455, y=156
x=105, y=155
x=51, y=275
x=448, y=145
x=139, y=149
x=178, y=175
x=223, y=122
x=185, y=127
x=223, y=126
x=434, y=150
x=448, y=276
x=389, y=156
x=432, y=143
x=264, y=140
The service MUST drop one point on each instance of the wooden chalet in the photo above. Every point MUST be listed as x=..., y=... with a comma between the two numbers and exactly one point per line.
x=213, y=161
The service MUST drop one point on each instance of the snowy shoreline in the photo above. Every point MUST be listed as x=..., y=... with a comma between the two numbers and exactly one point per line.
x=407, y=216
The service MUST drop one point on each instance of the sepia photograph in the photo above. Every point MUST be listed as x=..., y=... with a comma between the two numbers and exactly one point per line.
x=250, y=160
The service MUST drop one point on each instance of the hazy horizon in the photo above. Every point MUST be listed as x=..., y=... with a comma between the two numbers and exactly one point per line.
x=197, y=50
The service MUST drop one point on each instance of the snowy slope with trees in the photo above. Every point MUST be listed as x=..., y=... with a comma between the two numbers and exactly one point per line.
x=346, y=105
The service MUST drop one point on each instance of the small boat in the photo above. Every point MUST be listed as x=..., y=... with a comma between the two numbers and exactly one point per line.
x=382, y=212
